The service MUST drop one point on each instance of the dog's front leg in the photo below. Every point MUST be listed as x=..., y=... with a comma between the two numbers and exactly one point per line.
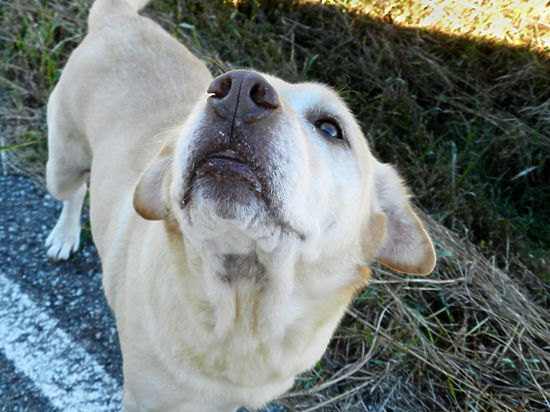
x=65, y=236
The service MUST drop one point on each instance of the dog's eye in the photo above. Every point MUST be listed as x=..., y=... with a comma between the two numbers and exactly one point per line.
x=329, y=128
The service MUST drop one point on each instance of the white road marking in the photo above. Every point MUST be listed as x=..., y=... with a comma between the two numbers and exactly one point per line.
x=65, y=373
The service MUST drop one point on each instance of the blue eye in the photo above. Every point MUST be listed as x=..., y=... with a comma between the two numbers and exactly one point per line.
x=329, y=128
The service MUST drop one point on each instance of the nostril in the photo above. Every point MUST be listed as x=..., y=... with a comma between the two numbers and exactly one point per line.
x=264, y=95
x=257, y=93
x=242, y=94
x=220, y=87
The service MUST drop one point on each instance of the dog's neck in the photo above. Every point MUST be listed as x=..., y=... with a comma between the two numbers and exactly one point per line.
x=246, y=267
x=246, y=290
x=276, y=299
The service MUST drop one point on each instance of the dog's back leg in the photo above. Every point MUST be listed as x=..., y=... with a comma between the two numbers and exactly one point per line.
x=67, y=170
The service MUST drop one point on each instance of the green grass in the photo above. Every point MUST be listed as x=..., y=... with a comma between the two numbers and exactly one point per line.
x=35, y=42
x=464, y=117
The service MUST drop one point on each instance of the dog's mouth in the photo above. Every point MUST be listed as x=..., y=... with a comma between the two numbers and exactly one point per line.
x=228, y=167
x=237, y=180
x=228, y=174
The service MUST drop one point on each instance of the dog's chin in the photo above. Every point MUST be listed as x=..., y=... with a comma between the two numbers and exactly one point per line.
x=228, y=186
x=228, y=213
x=226, y=196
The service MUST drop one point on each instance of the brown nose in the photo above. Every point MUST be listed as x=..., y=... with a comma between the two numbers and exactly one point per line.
x=243, y=94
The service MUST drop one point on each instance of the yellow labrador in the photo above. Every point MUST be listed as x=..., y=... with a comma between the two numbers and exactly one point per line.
x=234, y=216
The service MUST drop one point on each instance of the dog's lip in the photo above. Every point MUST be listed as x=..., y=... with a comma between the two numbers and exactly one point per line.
x=227, y=163
x=226, y=166
x=228, y=155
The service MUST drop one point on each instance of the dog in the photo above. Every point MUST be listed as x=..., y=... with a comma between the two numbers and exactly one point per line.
x=235, y=216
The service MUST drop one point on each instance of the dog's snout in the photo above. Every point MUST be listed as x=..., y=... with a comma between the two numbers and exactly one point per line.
x=243, y=94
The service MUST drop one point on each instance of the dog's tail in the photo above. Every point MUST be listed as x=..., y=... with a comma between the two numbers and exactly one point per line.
x=105, y=9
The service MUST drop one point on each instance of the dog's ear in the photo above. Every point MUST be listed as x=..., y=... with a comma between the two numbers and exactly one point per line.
x=402, y=242
x=151, y=192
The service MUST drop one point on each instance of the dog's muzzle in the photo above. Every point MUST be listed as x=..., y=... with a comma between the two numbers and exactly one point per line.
x=233, y=155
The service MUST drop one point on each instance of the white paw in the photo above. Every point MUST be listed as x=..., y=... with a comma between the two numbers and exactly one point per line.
x=62, y=241
x=65, y=236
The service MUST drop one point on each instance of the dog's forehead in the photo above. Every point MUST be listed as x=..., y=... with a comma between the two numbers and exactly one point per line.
x=310, y=97
x=315, y=101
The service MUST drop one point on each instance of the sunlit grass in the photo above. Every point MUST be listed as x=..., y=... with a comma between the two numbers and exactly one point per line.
x=514, y=22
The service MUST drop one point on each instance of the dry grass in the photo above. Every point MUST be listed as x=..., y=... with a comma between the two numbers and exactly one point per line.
x=514, y=22
x=467, y=338
x=467, y=121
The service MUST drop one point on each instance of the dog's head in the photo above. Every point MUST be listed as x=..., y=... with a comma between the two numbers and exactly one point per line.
x=260, y=163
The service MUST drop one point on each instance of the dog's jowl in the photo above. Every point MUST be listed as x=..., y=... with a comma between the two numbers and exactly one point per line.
x=235, y=216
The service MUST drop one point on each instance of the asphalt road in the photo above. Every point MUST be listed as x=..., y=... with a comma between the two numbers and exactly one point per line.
x=58, y=344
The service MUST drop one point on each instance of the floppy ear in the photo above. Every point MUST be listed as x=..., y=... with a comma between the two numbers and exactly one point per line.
x=151, y=191
x=405, y=245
